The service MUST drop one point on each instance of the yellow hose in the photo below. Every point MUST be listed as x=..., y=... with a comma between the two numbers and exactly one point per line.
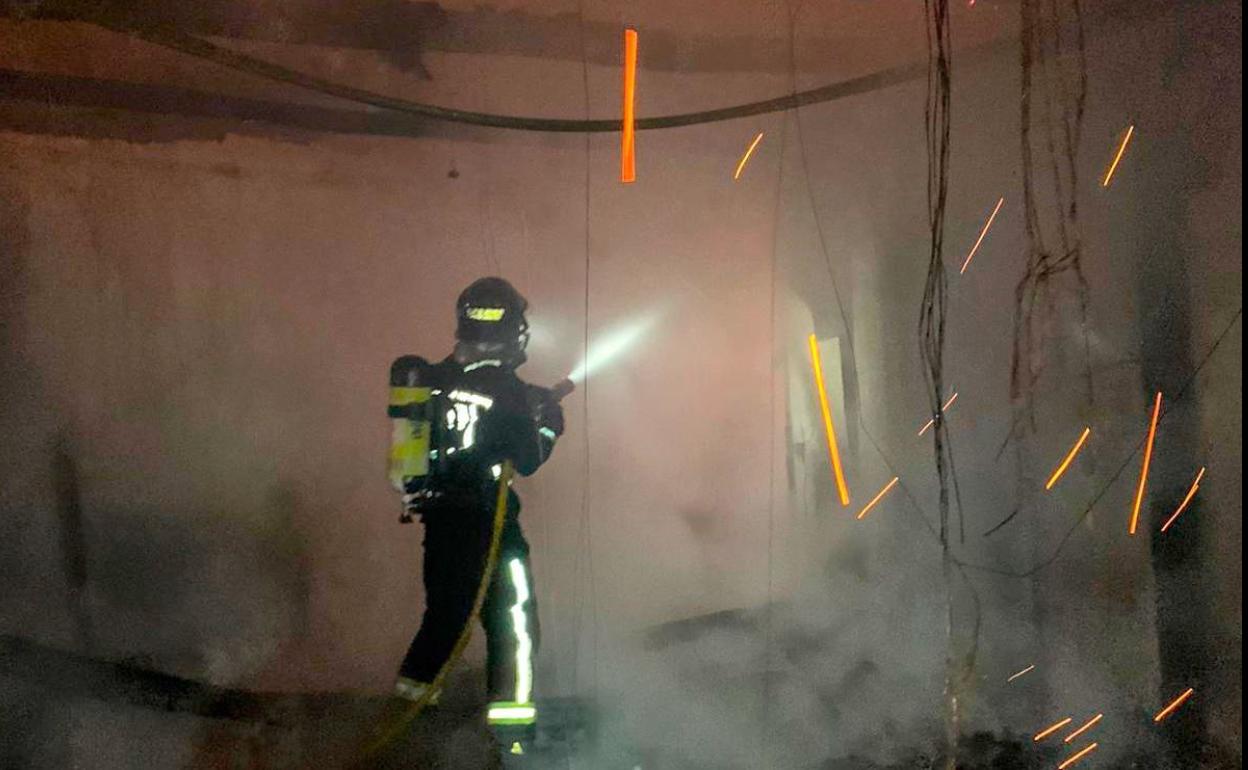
x=491, y=561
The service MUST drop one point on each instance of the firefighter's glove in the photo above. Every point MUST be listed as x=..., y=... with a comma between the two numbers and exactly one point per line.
x=410, y=510
x=415, y=500
x=550, y=418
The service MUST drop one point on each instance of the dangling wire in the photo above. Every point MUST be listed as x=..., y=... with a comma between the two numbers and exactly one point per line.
x=932, y=320
x=236, y=60
x=1062, y=87
x=933, y=311
x=585, y=539
x=765, y=722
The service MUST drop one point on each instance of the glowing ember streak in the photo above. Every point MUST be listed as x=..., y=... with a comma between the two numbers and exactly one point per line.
x=1086, y=726
x=746, y=157
x=876, y=499
x=1046, y=732
x=982, y=233
x=833, y=451
x=1086, y=751
x=1168, y=710
x=932, y=421
x=1148, y=458
x=1190, y=494
x=1020, y=673
x=1057, y=474
x=1126, y=139
x=628, y=167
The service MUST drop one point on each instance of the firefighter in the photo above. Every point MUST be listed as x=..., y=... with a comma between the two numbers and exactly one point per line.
x=457, y=424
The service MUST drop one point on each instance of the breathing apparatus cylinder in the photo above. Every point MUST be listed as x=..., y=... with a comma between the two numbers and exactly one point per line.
x=410, y=435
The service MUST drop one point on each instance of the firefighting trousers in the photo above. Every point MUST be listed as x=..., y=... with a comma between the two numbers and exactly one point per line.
x=455, y=552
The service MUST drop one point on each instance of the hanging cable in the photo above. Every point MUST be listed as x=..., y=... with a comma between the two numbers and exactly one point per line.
x=227, y=57
x=932, y=319
x=765, y=722
x=584, y=544
x=1056, y=86
x=1062, y=89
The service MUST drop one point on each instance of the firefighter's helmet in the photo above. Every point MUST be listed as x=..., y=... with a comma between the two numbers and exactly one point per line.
x=491, y=311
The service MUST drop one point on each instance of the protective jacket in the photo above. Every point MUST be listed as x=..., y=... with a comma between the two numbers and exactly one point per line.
x=476, y=416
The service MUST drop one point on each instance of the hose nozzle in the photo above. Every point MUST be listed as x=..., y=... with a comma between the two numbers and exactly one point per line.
x=562, y=389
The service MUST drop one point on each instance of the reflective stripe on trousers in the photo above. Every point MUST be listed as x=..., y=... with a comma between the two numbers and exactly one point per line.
x=520, y=627
x=519, y=710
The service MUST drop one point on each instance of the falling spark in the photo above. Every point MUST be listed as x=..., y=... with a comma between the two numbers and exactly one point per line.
x=1020, y=673
x=833, y=451
x=876, y=499
x=982, y=233
x=746, y=157
x=932, y=421
x=1086, y=751
x=1148, y=458
x=1057, y=474
x=628, y=168
x=1190, y=494
x=1046, y=732
x=1126, y=139
x=1174, y=705
x=1086, y=726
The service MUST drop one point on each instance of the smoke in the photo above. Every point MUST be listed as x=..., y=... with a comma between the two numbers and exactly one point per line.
x=841, y=666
